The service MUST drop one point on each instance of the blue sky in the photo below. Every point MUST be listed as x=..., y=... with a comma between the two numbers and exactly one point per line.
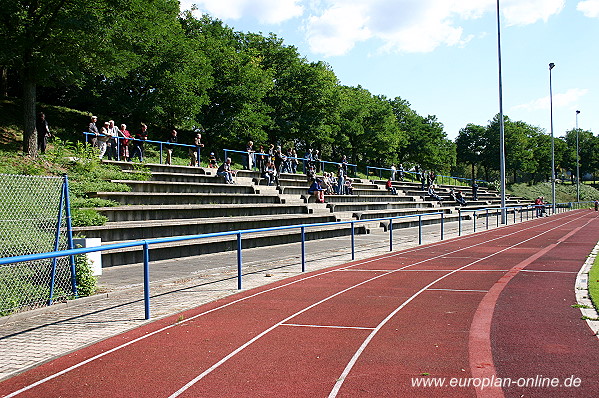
x=441, y=55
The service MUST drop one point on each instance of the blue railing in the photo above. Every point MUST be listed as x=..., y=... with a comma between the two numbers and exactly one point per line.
x=413, y=175
x=302, y=161
x=160, y=145
x=145, y=244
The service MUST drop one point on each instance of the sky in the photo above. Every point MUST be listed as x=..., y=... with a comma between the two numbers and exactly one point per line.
x=442, y=55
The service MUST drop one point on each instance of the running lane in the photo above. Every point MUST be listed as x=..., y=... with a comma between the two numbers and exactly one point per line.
x=370, y=328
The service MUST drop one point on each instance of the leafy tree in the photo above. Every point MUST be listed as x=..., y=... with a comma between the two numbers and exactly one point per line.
x=470, y=145
x=59, y=41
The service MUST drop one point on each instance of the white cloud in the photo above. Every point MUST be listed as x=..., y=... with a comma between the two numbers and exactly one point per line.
x=411, y=25
x=563, y=100
x=590, y=8
x=517, y=12
x=265, y=11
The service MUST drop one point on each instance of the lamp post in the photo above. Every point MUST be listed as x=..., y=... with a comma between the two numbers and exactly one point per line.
x=501, y=125
x=551, y=66
x=577, y=162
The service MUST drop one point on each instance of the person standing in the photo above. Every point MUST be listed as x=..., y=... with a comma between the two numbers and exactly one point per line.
x=474, y=190
x=124, y=133
x=43, y=132
x=93, y=129
x=112, y=145
x=250, y=159
x=340, y=180
x=172, y=139
x=194, y=152
x=138, y=143
x=103, y=139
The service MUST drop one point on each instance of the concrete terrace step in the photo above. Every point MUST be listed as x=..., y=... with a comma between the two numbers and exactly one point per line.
x=384, y=197
x=194, y=247
x=143, y=198
x=366, y=206
x=160, y=168
x=357, y=191
x=166, y=212
x=369, y=214
x=186, y=187
x=133, y=230
x=182, y=177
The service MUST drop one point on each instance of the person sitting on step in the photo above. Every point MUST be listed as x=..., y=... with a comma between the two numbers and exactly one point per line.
x=225, y=171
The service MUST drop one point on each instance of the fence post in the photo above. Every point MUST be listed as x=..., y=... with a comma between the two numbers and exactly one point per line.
x=239, y=259
x=419, y=229
x=459, y=222
x=303, y=249
x=474, y=218
x=56, y=245
x=390, y=234
x=198, y=152
x=147, y=280
x=67, y=204
x=353, y=243
x=487, y=218
x=161, y=153
x=442, y=225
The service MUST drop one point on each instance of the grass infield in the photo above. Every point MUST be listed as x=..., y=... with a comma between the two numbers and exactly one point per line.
x=594, y=283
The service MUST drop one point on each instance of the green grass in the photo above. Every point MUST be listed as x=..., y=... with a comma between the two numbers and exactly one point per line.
x=564, y=193
x=594, y=283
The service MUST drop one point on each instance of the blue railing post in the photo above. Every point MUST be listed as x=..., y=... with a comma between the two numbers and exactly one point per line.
x=390, y=234
x=118, y=148
x=442, y=225
x=198, y=153
x=487, y=218
x=161, y=153
x=459, y=222
x=419, y=229
x=70, y=245
x=353, y=241
x=474, y=218
x=303, y=249
x=56, y=244
x=239, y=259
x=146, y=280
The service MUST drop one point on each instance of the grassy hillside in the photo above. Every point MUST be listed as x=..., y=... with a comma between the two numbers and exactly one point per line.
x=563, y=192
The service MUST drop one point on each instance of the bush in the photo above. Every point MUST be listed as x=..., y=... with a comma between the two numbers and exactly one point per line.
x=86, y=281
x=87, y=218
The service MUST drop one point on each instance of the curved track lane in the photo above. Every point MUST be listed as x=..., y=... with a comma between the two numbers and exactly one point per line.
x=492, y=305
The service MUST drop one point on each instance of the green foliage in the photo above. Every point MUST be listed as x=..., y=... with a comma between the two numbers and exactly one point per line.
x=86, y=218
x=564, y=193
x=594, y=283
x=85, y=280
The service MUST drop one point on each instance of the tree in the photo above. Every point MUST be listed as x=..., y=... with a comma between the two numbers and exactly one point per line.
x=470, y=145
x=59, y=41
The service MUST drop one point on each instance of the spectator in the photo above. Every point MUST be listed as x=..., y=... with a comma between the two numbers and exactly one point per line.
x=113, y=133
x=393, y=172
x=596, y=205
x=138, y=143
x=317, y=190
x=43, y=132
x=123, y=132
x=460, y=198
x=93, y=129
x=344, y=164
x=349, y=189
x=327, y=184
x=293, y=162
x=103, y=139
x=270, y=174
x=288, y=159
x=400, y=172
x=474, y=190
x=261, y=159
x=172, y=139
x=194, y=152
x=390, y=187
x=212, y=162
x=225, y=171
x=433, y=194
x=316, y=160
x=250, y=157
x=538, y=206
x=279, y=159
x=422, y=180
x=340, y=180
x=307, y=161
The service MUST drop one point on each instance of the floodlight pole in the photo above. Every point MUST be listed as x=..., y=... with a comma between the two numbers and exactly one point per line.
x=551, y=66
x=501, y=124
x=577, y=162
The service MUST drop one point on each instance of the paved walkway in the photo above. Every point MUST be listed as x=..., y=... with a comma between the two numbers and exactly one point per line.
x=32, y=338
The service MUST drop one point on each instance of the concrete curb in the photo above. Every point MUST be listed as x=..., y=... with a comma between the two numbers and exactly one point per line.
x=582, y=293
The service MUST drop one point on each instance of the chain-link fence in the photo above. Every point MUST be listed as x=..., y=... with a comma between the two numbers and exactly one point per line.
x=33, y=219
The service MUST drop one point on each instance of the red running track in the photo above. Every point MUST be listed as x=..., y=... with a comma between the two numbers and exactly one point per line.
x=489, y=308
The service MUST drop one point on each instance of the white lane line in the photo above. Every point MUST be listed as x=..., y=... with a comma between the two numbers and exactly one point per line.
x=242, y=347
x=397, y=254
x=459, y=290
x=358, y=353
x=326, y=326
